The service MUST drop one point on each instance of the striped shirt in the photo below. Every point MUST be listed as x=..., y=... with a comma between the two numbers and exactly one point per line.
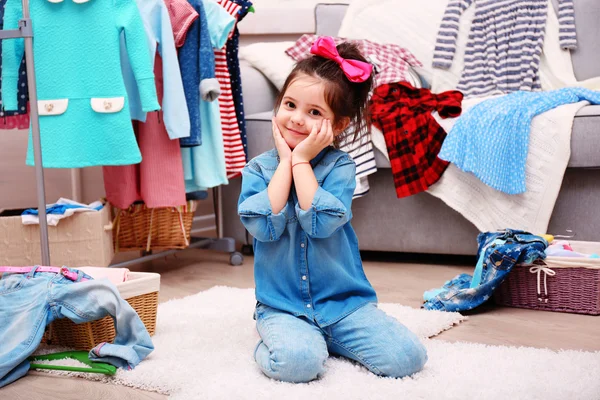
x=235, y=157
x=361, y=151
x=505, y=43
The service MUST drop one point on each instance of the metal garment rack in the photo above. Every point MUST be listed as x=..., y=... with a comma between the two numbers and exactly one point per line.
x=25, y=32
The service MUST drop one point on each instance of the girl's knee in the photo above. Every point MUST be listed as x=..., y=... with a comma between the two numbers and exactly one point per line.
x=408, y=360
x=298, y=364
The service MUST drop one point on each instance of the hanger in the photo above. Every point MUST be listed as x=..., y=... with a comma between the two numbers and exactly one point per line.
x=81, y=356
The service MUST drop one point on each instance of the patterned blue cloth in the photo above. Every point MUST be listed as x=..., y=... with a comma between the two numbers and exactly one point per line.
x=23, y=96
x=233, y=65
x=57, y=209
x=491, y=139
x=498, y=253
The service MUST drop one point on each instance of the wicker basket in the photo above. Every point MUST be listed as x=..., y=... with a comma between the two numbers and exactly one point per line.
x=140, y=228
x=140, y=291
x=562, y=284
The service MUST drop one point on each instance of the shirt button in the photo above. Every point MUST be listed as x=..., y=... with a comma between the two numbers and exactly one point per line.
x=308, y=306
x=302, y=245
x=303, y=277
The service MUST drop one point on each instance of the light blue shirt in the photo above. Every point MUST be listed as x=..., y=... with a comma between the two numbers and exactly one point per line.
x=306, y=262
x=491, y=140
x=159, y=32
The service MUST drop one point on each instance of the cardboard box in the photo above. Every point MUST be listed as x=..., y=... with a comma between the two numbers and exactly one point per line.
x=83, y=239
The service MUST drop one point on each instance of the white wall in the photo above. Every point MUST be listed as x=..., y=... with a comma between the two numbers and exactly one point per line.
x=280, y=20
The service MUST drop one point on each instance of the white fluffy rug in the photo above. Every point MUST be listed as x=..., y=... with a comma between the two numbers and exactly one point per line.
x=204, y=347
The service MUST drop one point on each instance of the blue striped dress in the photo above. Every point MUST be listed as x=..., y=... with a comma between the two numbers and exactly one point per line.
x=505, y=43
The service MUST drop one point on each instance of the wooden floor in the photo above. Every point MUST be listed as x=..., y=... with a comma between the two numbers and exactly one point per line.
x=397, y=279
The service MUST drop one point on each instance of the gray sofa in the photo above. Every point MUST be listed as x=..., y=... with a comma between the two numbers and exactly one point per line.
x=423, y=223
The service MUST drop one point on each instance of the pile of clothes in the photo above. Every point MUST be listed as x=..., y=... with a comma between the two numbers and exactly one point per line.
x=32, y=297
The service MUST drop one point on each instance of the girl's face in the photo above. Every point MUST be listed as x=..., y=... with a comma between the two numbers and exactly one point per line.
x=303, y=105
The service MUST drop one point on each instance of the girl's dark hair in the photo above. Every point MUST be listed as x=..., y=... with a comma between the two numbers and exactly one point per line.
x=346, y=99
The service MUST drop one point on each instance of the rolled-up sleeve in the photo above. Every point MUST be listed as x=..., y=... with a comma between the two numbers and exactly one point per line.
x=254, y=208
x=331, y=206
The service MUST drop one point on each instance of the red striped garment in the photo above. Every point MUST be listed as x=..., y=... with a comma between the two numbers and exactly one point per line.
x=235, y=158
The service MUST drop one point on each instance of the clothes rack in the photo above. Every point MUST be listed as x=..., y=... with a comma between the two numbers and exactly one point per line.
x=25, y=32
x=220, y=243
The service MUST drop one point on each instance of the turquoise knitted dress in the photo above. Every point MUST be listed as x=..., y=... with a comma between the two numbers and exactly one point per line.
x=82, y=101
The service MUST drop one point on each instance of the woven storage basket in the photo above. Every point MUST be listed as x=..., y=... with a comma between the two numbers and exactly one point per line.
x=565, y=284
x=140, y=291
x=142, y=228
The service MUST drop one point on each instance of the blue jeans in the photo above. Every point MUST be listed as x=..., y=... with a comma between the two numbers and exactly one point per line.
x=498, y=253
x=294, y=349
x=29, y=302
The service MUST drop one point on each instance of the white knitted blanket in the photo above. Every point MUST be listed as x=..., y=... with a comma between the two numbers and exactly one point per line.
x=489, y=209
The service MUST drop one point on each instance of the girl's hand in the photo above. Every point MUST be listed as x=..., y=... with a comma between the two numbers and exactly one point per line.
x=284, y=151
x=319, y=138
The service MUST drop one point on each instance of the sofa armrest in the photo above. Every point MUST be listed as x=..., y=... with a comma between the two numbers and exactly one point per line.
x=259, y=93
x=259, y=133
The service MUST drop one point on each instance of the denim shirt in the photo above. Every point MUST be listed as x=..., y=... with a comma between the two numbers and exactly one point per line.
x=498, y=253
x=306, y=262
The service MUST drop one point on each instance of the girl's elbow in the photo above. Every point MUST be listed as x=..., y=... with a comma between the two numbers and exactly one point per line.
x=260, y=232
x=325, y=229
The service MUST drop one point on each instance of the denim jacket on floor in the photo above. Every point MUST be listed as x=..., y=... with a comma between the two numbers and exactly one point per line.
x=29, y=302
x=497, y=254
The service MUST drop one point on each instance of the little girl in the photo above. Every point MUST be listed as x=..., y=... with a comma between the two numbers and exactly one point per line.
x=313, y=298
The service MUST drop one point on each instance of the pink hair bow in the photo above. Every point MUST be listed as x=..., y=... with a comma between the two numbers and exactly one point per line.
x=355, y=70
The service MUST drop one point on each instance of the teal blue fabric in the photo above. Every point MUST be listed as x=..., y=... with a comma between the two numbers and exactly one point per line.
x=77, y=58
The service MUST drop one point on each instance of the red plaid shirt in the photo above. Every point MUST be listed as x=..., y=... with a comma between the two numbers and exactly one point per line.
x=391, y=61
x=412, y=135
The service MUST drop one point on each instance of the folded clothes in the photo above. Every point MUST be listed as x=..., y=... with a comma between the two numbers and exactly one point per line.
x=63, y=208
x=115, y=275
x=562, y=248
